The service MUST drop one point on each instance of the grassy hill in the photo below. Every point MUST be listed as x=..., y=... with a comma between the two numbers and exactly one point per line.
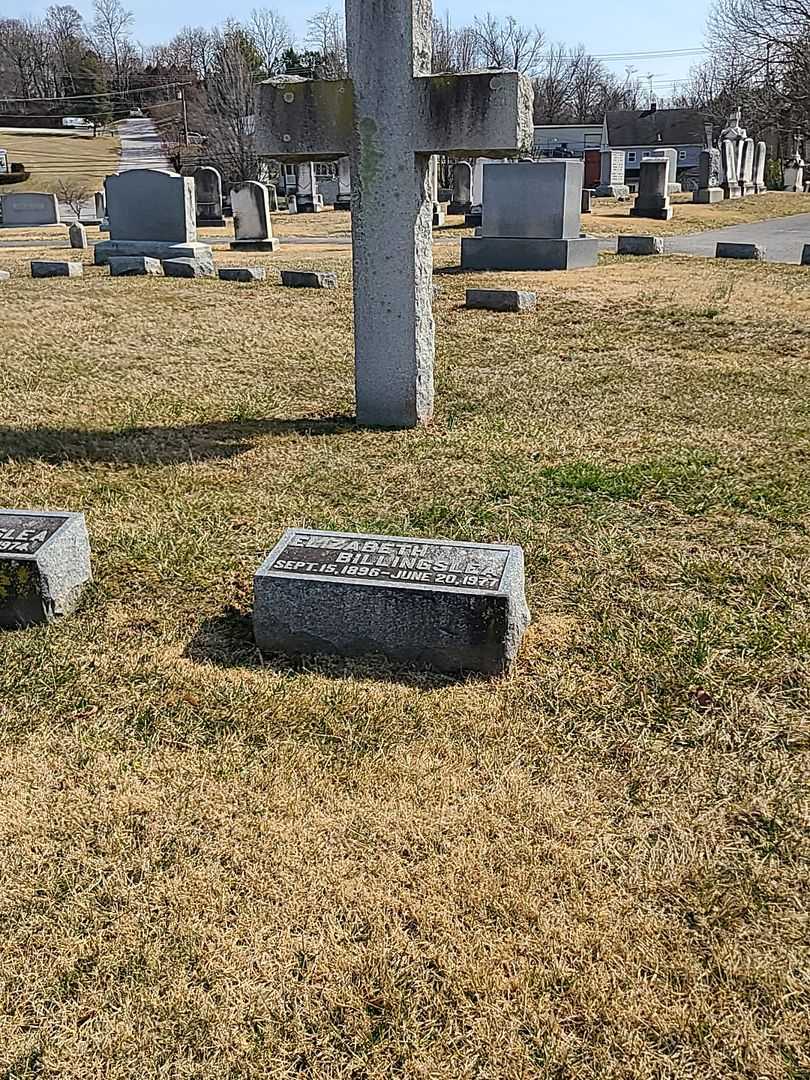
x=60, y=156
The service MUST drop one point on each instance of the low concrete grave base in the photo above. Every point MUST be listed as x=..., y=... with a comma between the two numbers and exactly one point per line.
x=746, y=190
x=501, y=300
x=732, y=191
x=343, y=204
x=458, y=209
x=653, y=213
x=474, y=220
x=44, y=566
x=754, y=252
x=4, y=275
x=45, y=269
x=708, y=195
x=309, y=279
x=508, y=253
x=135, y=266
x=439, y=219
x=188, y=268
x=612, y=191
x=243, y=273
x=640, y=245
x=272, y=244
x=432, y=603
x=674, y=189
x=150, y=249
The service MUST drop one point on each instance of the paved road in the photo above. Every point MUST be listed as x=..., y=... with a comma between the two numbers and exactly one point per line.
x=141, y=147
x=783, y=238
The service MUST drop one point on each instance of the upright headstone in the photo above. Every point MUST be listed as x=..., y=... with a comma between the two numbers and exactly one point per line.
x=747, y=150
x=344, y=175
x=760, y=163
x=438, y=213
x=710, y=173
x=28, y=209
x=587, y=201
x=652, y=200
x=208, y=192
x=532, y=219
x=672, y=157
x=612, y=181
x=252, y=225
x=306, y=194
x=390, y=117
x=44, y=566
x=475, y=216
x=101, y=205
x=731, y=175
x=151, y=204
x=152, y=213
x=462, y=188
x=443, y=604
x=794, y=174
x=78, y=236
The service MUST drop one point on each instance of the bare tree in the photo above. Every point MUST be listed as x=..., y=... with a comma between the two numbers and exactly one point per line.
x=74, y=193
x=271, y=35
x=505, y=43
x=552, y=87
x=111, y=30
x=229, y=120
x=327, y=35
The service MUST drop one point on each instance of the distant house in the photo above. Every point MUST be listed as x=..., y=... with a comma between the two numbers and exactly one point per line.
x=637, y=133
x=566, y=140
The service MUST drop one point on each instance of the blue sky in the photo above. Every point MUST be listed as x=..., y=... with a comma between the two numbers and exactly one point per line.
x=624, y=26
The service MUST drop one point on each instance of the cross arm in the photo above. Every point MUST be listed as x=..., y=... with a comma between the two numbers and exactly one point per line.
x=304, y=119
x=485, y=113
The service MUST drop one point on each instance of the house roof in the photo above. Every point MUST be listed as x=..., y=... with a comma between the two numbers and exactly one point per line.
x=669, y=127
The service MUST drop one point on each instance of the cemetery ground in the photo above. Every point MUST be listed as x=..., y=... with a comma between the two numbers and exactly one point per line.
x=216, y=866
x=78, y=158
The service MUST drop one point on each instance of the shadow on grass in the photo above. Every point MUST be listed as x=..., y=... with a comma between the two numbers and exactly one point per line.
x=226, y=641
x=157, y=445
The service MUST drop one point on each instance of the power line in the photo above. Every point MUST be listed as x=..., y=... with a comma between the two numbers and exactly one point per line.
x=100, y=94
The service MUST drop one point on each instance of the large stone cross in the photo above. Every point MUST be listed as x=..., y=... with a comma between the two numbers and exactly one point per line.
x=389, y=118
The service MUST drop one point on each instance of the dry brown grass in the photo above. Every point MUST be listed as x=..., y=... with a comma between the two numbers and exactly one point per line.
x=216, y=867
x=62, y=156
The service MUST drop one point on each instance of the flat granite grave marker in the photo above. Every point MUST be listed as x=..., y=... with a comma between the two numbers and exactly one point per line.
x=244, y=274
x=500, y=300
x=44, y=565
x=45, y=268
x=640, y=245
x=439, y=603
x=725, y=250
x=135, y=266
x=390, y=117
x=309, y=279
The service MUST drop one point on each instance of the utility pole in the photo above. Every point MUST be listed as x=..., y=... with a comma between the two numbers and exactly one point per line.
x=181, y=96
